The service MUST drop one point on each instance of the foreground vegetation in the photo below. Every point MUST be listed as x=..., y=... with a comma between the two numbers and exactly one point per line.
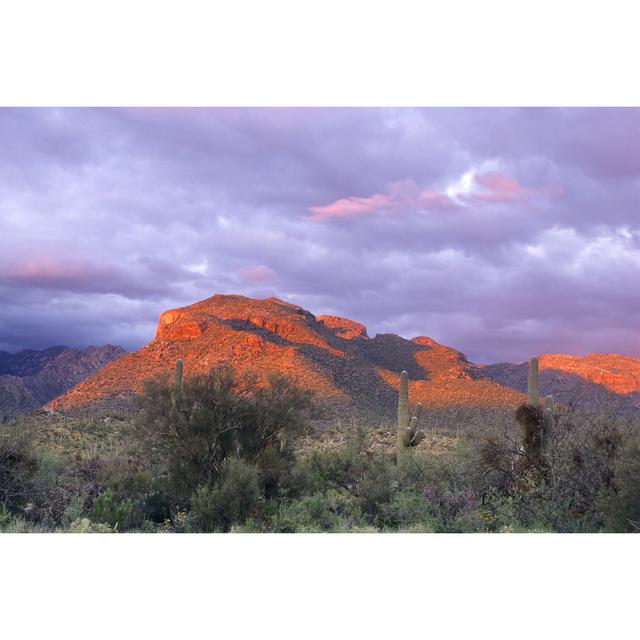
x=218, y=454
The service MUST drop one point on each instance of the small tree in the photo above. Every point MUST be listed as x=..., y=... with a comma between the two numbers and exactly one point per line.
x=194, y=428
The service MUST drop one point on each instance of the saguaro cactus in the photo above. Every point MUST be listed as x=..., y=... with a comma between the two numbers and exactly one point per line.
x=531, y=416
x=403, y=406
x=533, y=393
x=177, y=378
x=408, y=434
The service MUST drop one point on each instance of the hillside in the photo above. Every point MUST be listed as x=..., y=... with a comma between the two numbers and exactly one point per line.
x=597, y=380
x=29, y=379
x=350, y=373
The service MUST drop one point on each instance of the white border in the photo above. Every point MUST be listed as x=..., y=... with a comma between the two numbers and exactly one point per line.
x=494, y=52
x=319, y=586
x=334, y=52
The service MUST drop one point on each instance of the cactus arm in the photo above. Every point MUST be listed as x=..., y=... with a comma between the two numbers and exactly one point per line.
x=403, y=410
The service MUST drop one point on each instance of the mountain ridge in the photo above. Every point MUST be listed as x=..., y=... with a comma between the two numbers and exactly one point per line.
x=30, y=378
x=354, y=374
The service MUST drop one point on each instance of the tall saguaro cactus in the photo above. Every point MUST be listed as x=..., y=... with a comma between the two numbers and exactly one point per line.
x=533, y=386
x=408, y=434
x=403, y=408
x=177, y=379
x=533, y=418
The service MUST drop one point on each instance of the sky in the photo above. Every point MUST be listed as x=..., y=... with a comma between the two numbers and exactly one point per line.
x=504, y=233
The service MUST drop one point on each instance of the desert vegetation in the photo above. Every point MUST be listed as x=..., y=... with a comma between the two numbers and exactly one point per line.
x=221, y=453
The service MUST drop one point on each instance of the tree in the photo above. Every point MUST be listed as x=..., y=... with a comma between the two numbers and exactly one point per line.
x=195, y=427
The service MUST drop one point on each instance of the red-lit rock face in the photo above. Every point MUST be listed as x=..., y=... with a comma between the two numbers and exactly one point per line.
x=442, y=363
x=333, y=357
x=343, y=327
x=617, y=373
x=174, y=325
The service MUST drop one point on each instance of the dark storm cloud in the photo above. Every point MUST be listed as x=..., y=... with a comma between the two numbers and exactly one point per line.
x=502, y=232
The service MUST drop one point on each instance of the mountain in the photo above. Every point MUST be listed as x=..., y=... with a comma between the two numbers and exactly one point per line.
x=29, y=379
x=351, y=374
x=597, y=380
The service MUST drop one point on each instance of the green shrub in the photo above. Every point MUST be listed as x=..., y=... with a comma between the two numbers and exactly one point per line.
x=620, y=502
x=324, y=469
x=18, y=468
x=231, y=501
x=407, y=510
x=565, y=492
x=333, y=511
x=116, y=514
x=218, y=416
x=84, y=525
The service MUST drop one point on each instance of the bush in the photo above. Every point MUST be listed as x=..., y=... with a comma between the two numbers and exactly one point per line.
x=324, y=469
x=333, y=511
x=218, y=416
x=84, y=525
x=116, y=514
x=562, y=492
x=620, y=502
x=407, y=510
x=233, y=499
x=18, y=469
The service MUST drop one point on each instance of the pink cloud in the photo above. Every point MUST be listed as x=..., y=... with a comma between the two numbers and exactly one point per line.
x=350, y=207
x=43, y=269
x=496, y=187
x=258, y=273
x=401, y=195
x=406, y=195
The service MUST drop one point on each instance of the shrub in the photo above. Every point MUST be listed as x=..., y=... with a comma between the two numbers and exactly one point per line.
x=84, y=525
x=18, y=468
x=563, y=492
x=375, y=488
x=620, y=502
x=232, y=500
x=218, y=416
x=407, y=510
x=107, y=510
x=333, y=511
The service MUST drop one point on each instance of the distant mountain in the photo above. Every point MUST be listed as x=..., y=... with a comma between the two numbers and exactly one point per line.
x=30, y=379
x=350, y=373
x=597, y=380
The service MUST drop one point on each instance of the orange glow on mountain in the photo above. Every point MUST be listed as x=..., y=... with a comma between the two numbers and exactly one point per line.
x=349, y=373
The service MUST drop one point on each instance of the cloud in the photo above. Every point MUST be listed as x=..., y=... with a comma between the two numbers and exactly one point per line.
x=494, y=187
x=258, y=274
x=401, y=195
x=502, y=232
x=404, y=195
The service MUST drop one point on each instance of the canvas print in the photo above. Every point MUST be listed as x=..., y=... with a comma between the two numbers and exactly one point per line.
x=296, y=320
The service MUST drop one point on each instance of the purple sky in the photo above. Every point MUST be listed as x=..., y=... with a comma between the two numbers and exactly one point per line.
x=501, y=232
